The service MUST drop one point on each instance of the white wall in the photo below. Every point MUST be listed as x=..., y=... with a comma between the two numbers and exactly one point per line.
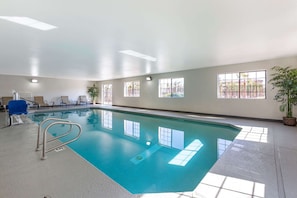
x=51, y=89
x=201, y=92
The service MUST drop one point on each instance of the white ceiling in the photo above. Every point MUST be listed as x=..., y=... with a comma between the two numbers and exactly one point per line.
x=181, y=34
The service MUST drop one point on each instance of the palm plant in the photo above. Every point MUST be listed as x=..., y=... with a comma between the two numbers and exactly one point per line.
x=285, y=80
x=93, y=92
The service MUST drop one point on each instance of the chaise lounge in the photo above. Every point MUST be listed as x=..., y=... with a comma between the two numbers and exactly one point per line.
x=65, y=100
x=5, y=101
x=82, y=100
x=40, y=102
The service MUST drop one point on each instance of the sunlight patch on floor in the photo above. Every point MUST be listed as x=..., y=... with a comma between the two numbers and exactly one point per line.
x=220, y=186
x=251, y=133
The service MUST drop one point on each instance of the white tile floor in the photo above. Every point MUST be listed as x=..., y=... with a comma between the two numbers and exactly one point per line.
x=260, y=163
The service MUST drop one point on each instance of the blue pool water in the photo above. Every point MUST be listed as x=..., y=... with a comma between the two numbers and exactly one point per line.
x=146, y=154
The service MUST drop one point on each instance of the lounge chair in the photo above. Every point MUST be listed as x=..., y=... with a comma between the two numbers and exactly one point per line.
x=15, y=109
x=65, y=100
x=5, y=101
x=40, y=102
x=82, y=100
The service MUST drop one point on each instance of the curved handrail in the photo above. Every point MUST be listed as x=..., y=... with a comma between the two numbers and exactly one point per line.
x=53, y=148
x=39, y=130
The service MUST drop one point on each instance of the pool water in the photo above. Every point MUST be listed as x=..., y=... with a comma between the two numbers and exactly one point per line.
x=146, y=154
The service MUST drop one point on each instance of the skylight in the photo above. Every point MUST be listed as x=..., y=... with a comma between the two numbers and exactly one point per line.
x=29, y=22
x=138, y=55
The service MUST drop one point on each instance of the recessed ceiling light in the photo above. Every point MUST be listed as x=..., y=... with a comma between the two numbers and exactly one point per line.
x=138, y=55
x=29, y=22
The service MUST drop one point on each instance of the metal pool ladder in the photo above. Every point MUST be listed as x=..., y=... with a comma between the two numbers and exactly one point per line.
x=56, y=121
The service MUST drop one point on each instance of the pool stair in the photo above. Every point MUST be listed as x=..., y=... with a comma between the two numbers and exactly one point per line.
x=52, y=122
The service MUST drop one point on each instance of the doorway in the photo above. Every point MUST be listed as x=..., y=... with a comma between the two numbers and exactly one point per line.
x=107, y=94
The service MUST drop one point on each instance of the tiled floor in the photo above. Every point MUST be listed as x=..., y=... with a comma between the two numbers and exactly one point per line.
x=261, y=162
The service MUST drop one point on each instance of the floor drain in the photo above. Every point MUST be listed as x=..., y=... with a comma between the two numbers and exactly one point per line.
x=58, y=150
x=139, y=157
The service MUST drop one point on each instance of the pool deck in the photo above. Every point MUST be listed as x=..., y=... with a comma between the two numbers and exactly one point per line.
x=260, y=163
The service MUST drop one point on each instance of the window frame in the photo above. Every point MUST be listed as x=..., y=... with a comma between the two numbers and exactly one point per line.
x=170, y=90
x=134, y=91
x=254, y=87
x=132, y=129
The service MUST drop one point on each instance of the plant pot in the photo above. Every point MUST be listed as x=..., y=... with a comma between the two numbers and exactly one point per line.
x=289, y=121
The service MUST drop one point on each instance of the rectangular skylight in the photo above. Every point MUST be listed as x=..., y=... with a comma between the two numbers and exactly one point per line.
x=29, y=22
x=138, y=55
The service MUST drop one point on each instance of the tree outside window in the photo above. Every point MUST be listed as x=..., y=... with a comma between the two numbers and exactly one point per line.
x=244, y=85
x=132, y=89
x=171, y=88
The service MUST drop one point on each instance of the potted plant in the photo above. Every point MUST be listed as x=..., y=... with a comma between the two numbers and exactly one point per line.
x=285, y=80
x=93, y=92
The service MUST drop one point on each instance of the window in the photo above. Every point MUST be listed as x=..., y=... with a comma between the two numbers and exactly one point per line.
x=132, y=129
x=132, y=89
x=228, y=85
x=245, y=85
x=106, y=117
x=107, y=94
x=171, y=88
x=185, y=155
x=222, y=146
x=171, y=138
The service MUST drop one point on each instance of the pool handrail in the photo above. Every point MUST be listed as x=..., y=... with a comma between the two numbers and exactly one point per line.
x=60, y=145
x=39, y=131
x=44, y=138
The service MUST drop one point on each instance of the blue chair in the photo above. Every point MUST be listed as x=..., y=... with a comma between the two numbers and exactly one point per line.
x=16, y=107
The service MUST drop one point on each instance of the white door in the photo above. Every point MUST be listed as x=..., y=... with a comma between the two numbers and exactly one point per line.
x=107, y=94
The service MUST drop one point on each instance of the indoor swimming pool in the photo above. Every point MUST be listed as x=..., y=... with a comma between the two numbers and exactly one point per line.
x=145, y=154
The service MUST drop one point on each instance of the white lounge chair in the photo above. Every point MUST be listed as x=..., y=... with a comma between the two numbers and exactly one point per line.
x=65, y=100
